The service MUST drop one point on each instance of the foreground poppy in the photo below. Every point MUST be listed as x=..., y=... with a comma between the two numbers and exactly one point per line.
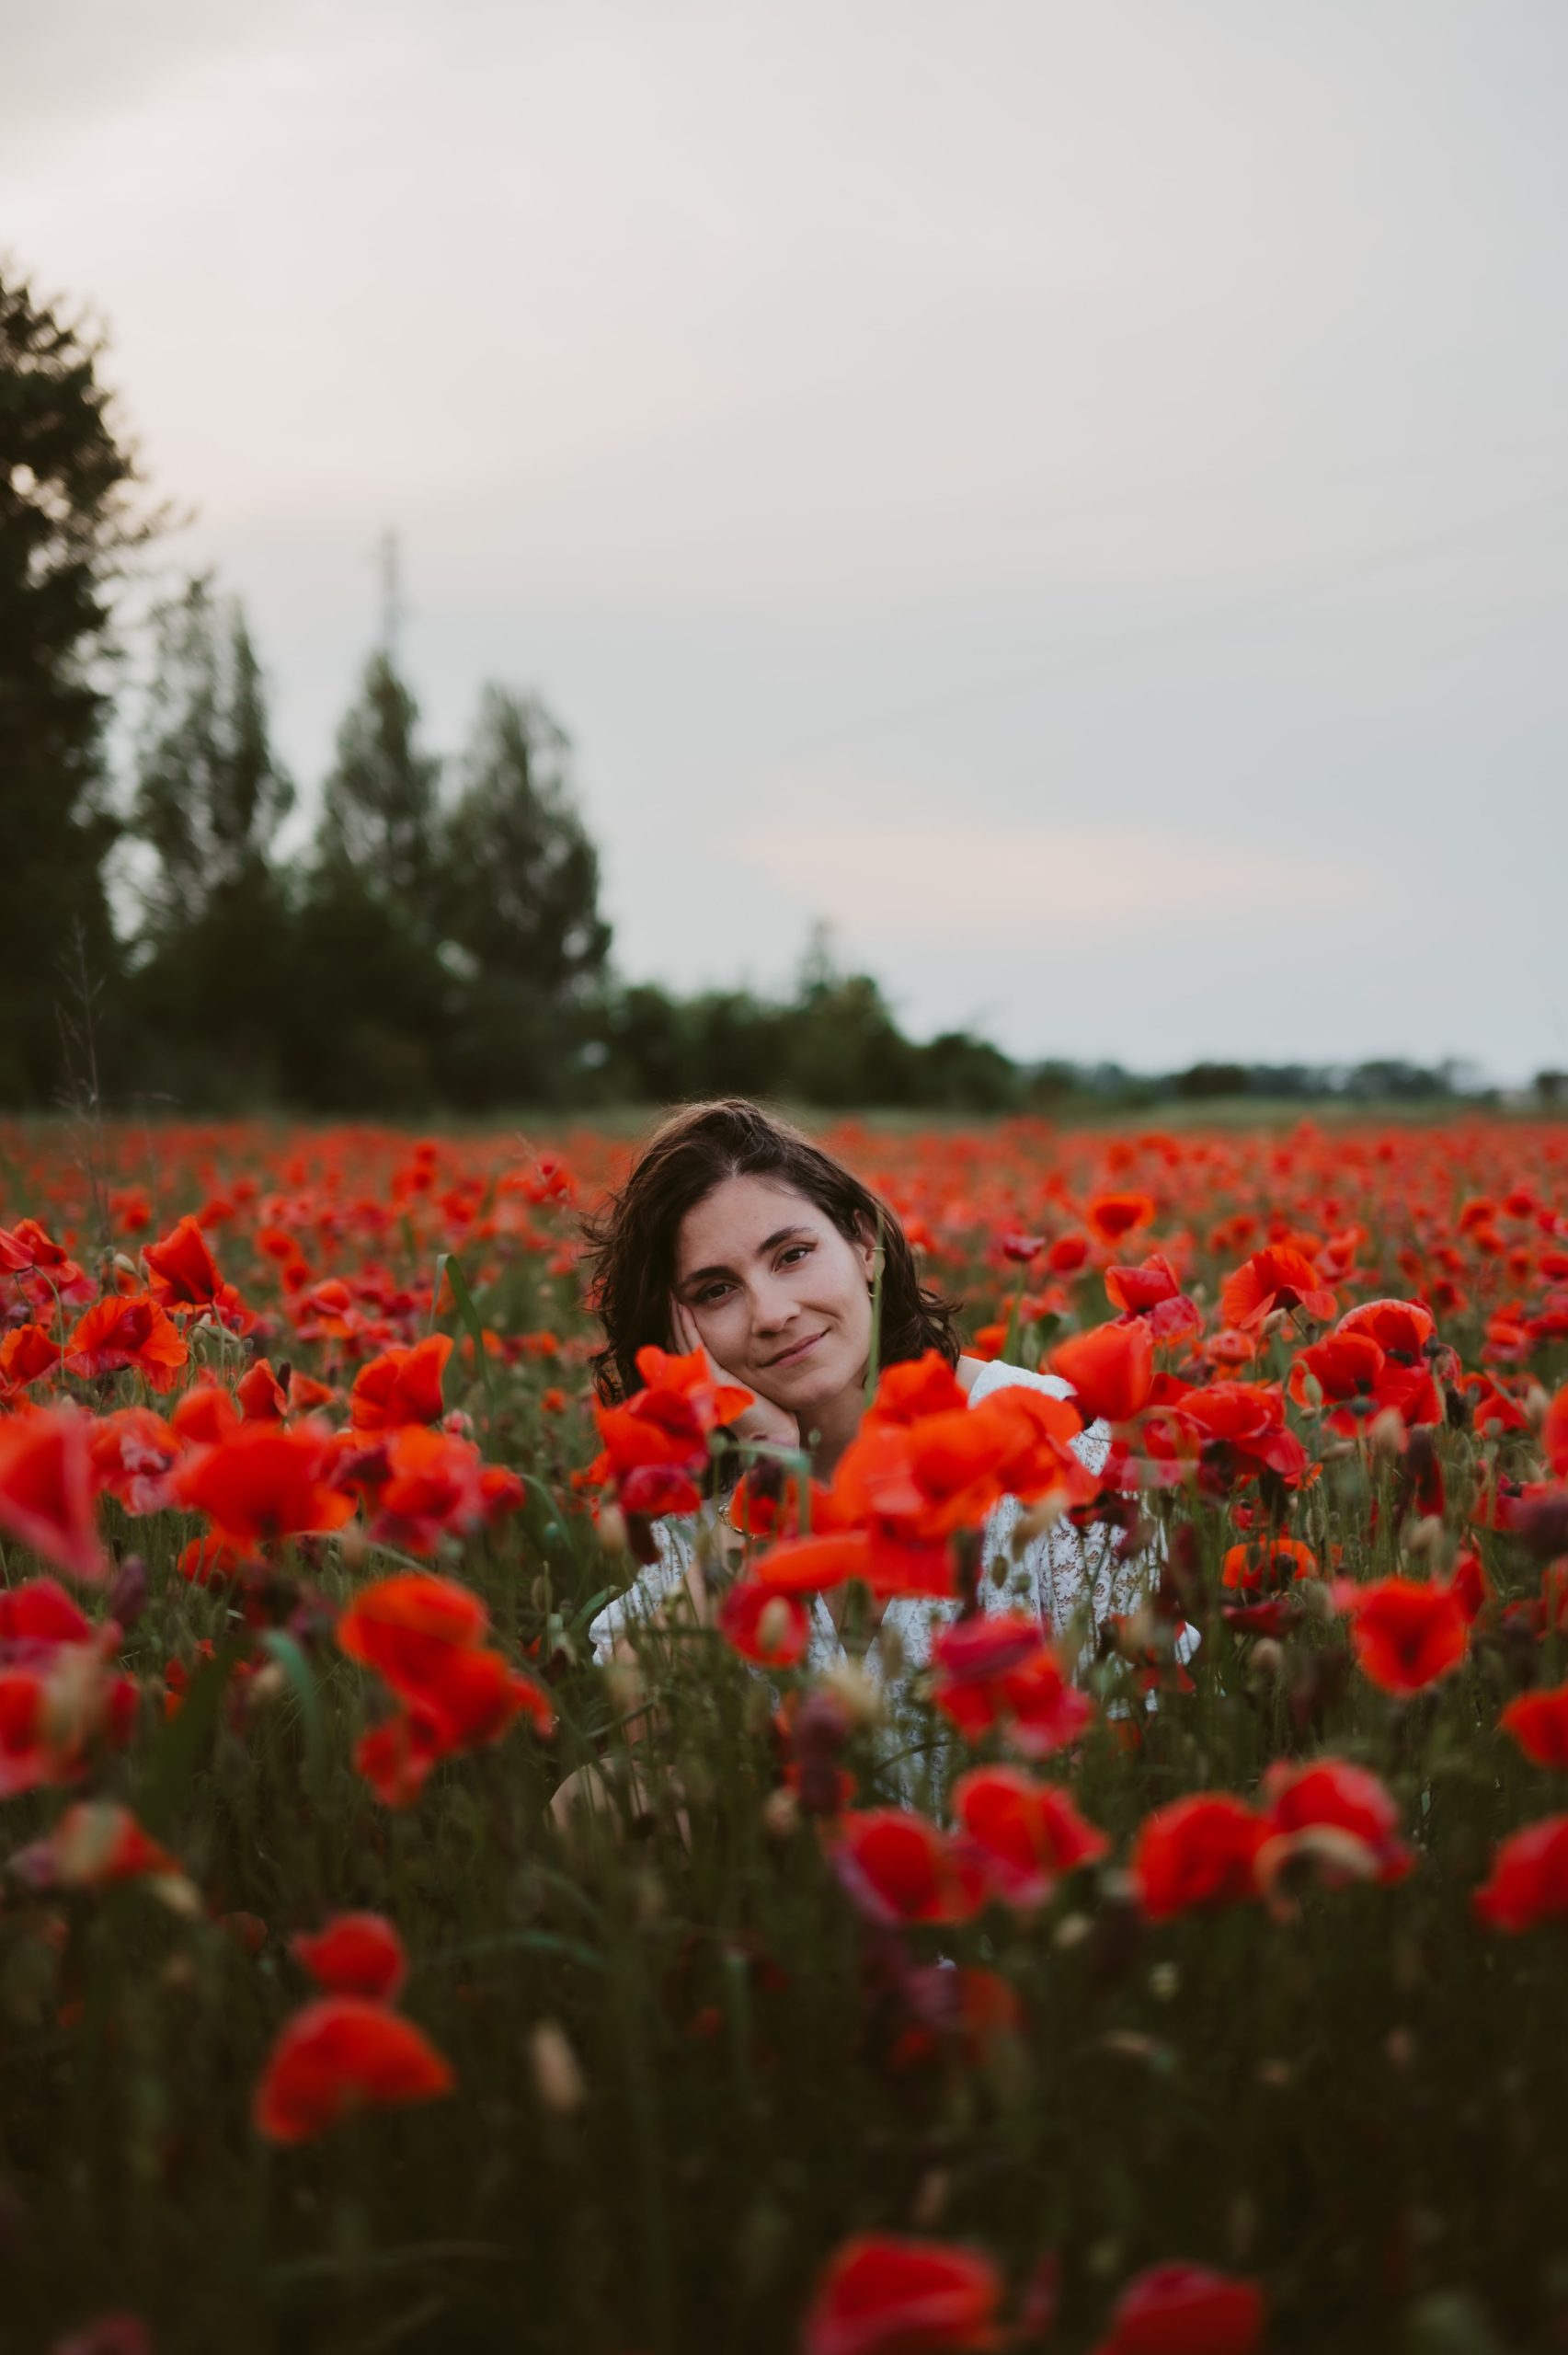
x=1028, y=1833
x=1111, y=1370
x=1199, y=1851
x=264, y=1483
x=882, y=2293
x=1336, y=1795
x=1539, y=1723
x=401, y=1386
x=898, y=1867
x=128, y=1332
x=1278, y=1278
x=46, y=1488
x=355, y=1954
x=341, y=2054
x=1528, y=1881
x=1185, y=2310
x=1407, y=1634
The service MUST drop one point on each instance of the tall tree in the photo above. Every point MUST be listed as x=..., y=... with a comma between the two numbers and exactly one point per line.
x=69, y=515
x=210, y=797
x=381, y=804
x=520, y=904
x=371, y=999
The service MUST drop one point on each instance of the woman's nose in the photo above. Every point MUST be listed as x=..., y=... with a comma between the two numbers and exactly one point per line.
x=773, y=1305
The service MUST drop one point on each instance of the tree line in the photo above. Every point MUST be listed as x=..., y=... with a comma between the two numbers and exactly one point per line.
x=436, y=942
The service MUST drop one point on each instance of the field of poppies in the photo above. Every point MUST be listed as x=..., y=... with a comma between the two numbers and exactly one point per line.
x=1190, y=1983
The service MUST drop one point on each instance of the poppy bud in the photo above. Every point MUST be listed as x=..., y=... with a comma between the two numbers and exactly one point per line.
x=1386, y=1433
x=1537, y=1406
x=613, y=1529
x=558, y=2077
x=780, y=1814
x=128, y=1595
x=860, y=1698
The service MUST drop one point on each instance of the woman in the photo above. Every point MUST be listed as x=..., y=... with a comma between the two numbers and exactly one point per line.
x=736, y=1236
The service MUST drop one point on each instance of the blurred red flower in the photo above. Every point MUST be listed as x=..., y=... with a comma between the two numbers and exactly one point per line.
x=340, y=2054
x=1028, y=1833
x=1539, y=1723
x=401, y=1386
x=881, y=2293
x=899, y=1867
x=1181, y=2309
x=129, y=1330
x=1528, y=1881
x=46, y=1488
x=264, y=1483
x=1197, y=1851
x=1406, y=1633
x=1111, y=1369
x=1275, y=1278
x=355, y=1954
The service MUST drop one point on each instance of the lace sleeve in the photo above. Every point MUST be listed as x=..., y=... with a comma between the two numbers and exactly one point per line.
x=653, y=1585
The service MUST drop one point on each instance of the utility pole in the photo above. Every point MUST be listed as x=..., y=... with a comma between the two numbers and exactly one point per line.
x=392, y=612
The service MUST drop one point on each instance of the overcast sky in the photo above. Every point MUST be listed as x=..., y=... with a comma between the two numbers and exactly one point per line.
x=1076, y=495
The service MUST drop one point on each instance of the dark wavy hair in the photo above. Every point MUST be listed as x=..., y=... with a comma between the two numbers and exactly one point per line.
x=630, y=1240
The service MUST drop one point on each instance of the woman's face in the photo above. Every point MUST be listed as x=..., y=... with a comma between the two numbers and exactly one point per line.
x=778, y=1294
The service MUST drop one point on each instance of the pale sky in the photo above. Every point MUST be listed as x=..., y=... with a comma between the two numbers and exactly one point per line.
x=1077, y=494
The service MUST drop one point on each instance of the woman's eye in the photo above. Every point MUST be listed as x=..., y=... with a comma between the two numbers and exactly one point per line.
x=706, y=1299
x=796, y=1251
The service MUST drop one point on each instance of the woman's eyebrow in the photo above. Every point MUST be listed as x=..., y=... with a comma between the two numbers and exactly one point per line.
x=781, y=1234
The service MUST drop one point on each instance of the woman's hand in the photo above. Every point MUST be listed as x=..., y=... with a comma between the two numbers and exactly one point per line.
x=761, y=1424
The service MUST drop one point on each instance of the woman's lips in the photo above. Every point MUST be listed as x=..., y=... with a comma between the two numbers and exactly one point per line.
x=793, y=1357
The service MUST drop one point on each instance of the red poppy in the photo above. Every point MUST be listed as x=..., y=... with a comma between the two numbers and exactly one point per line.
x=355, y=1954
x=1539, y=1723
x=1264, y=1564
x=1239, y=1427
x=1150, y=1291
x=341, y=2054
x=1332, y=1794
x=881, y=2293
x=397, y=1756
x=182, y=1274
x=1406, y=1634
x=26, y=1355
x=407, y=1627
x=1344, y=1365
x=1114, y=1215
x=129, y=1330
x=97, y=1843
x=1278, y=1277
x=401, y=1386
x=912, y=1388
x=263, y=1484
x=898, y=1867
x=38, y=1616
x=764, y=1624
x=669, y=1421
x=1180, y=2309
x=206, y=1414
x=1197, y=1850
x=433, y=1489
x=815, y=1565
x=46, y=1488
x=999, y=1671
x=1028, y=1833
x=1528, y=1881
x=1111, y=1370
x=1401, y=1328
x=46, y=1274
x=260, y=1393
x=1554, y=1433
x=133, y=1453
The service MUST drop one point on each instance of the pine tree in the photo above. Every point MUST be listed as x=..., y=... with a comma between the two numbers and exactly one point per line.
x=520, y=902
x=371, y=1004
x=69, y=518
x=210, y=795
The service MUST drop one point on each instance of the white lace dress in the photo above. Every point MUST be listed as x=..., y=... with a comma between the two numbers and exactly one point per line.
x=1069, y=1578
